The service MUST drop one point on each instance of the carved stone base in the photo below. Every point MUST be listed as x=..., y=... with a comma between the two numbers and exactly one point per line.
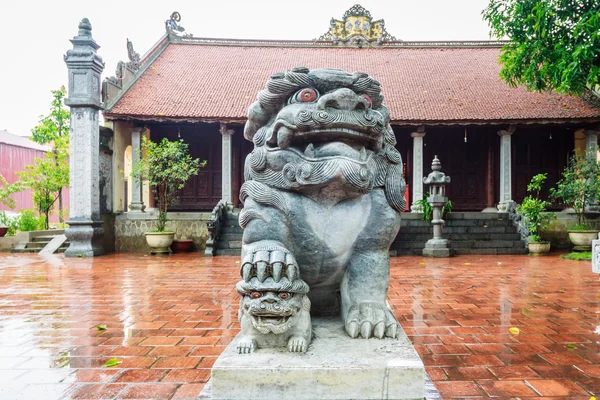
x=334, y=367
x=437, y=248
x=85, y=238
x=505, y=206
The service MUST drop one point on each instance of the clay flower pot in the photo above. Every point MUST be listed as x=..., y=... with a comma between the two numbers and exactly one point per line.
x=538, y=248
x=582, y=240
x=182, y=245
x=3, y=231
x=159, y=242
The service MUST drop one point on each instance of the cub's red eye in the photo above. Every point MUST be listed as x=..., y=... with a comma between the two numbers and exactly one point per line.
x=284, y=295
x=307, y=95
x=368, y=99
x=256, y=295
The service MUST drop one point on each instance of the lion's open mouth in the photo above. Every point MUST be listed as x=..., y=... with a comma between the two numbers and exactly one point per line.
x=271, y=319
x=318, y=143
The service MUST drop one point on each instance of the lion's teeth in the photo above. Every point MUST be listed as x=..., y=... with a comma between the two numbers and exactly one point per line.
x=284, y=137
x=310, y=150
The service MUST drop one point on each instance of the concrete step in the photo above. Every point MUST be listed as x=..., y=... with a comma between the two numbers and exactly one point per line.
x=233, y=244
x=228, y=252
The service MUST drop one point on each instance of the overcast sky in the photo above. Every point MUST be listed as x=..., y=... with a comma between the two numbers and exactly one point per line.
x=35, y=34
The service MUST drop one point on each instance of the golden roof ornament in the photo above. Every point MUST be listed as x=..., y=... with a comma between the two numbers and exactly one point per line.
x=357, y=27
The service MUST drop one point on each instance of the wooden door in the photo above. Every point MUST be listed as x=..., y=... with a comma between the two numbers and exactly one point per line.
x=464, y=161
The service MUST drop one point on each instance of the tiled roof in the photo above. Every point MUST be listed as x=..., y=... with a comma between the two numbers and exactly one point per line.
x=204, y=82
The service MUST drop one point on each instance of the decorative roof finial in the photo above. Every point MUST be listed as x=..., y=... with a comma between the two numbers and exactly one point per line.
x=172, y=25
x=357, y=26
x=85, y=28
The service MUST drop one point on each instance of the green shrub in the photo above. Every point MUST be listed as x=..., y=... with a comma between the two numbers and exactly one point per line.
x=533, y=209
x=28, y=221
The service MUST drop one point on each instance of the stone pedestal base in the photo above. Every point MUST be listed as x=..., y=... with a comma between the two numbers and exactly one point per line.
x=505, y=206
x=85, y=238
x=335, y=367
x=437, y=248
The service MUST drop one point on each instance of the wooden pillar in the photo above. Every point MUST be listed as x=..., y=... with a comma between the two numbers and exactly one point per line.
x=489, y=181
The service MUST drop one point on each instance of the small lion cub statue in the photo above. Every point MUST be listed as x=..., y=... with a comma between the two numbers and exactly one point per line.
x=274, y=314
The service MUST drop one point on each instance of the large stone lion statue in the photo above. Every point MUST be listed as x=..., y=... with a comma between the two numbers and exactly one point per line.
x=323, y=194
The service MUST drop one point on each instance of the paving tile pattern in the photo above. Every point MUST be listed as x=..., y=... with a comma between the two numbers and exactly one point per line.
x=169, y=318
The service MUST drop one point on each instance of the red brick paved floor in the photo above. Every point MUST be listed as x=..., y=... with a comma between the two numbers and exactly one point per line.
x=168, y=318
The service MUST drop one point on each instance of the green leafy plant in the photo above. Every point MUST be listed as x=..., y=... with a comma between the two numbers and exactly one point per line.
x=167, y=166
x=6, y=190
x=427, y=210
x=47, y=176
x=579, y=184
x=533, y=209
x=28, y=221
x=553, y=44
x=52, y=127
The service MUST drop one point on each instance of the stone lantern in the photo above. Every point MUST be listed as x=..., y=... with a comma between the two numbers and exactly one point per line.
x=436, y=181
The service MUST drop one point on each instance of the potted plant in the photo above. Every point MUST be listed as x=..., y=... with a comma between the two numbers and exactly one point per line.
x=577, y=188
x=532, y=209
x=167, y=166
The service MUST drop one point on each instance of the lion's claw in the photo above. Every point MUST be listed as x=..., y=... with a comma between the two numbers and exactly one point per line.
x=297, y=344
x=371, y=319
x=268, y=262
x=246, y=346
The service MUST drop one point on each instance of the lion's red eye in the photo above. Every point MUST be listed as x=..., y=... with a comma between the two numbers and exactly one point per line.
x=256, y=295
x=368, y=99
x=284, y=295
x=307, y=95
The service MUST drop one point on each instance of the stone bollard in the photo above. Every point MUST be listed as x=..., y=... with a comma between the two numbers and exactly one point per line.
x=596, y=255
x=436, y=181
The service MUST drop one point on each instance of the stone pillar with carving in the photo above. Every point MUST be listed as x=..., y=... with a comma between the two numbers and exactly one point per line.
x=591, y=149
x=417, y=168
x=85, y=66
x=226, y=146
x=137, y=203
x=506, y=199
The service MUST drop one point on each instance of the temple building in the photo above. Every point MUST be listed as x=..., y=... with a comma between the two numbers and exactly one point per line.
x=445, y=99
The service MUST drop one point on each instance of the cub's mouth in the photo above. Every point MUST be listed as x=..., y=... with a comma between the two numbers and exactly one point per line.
x=327, y=142
x=270, y=319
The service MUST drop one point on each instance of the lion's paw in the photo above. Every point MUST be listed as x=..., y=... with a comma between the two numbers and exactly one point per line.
x=246, y=346
x=274, y=261
x=371, y=319
x=297, y=344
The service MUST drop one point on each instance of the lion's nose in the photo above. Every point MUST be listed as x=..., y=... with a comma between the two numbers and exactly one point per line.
x=342, y=99
x=269, y=300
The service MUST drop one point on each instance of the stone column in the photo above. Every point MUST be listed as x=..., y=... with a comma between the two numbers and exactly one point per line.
x=417, y=166
x=85, y=230
x=226, y=146
x=591, y=148
x=505, y=170
x=137, y=204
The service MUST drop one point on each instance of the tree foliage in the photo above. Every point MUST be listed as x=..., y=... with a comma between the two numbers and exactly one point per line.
x=6, y=189
x=555, y=44
x=52, y=128
x=57, y=123
x=47, y=176
x=167, y=166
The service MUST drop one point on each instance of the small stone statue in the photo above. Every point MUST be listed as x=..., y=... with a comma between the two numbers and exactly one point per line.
x=322, y=199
